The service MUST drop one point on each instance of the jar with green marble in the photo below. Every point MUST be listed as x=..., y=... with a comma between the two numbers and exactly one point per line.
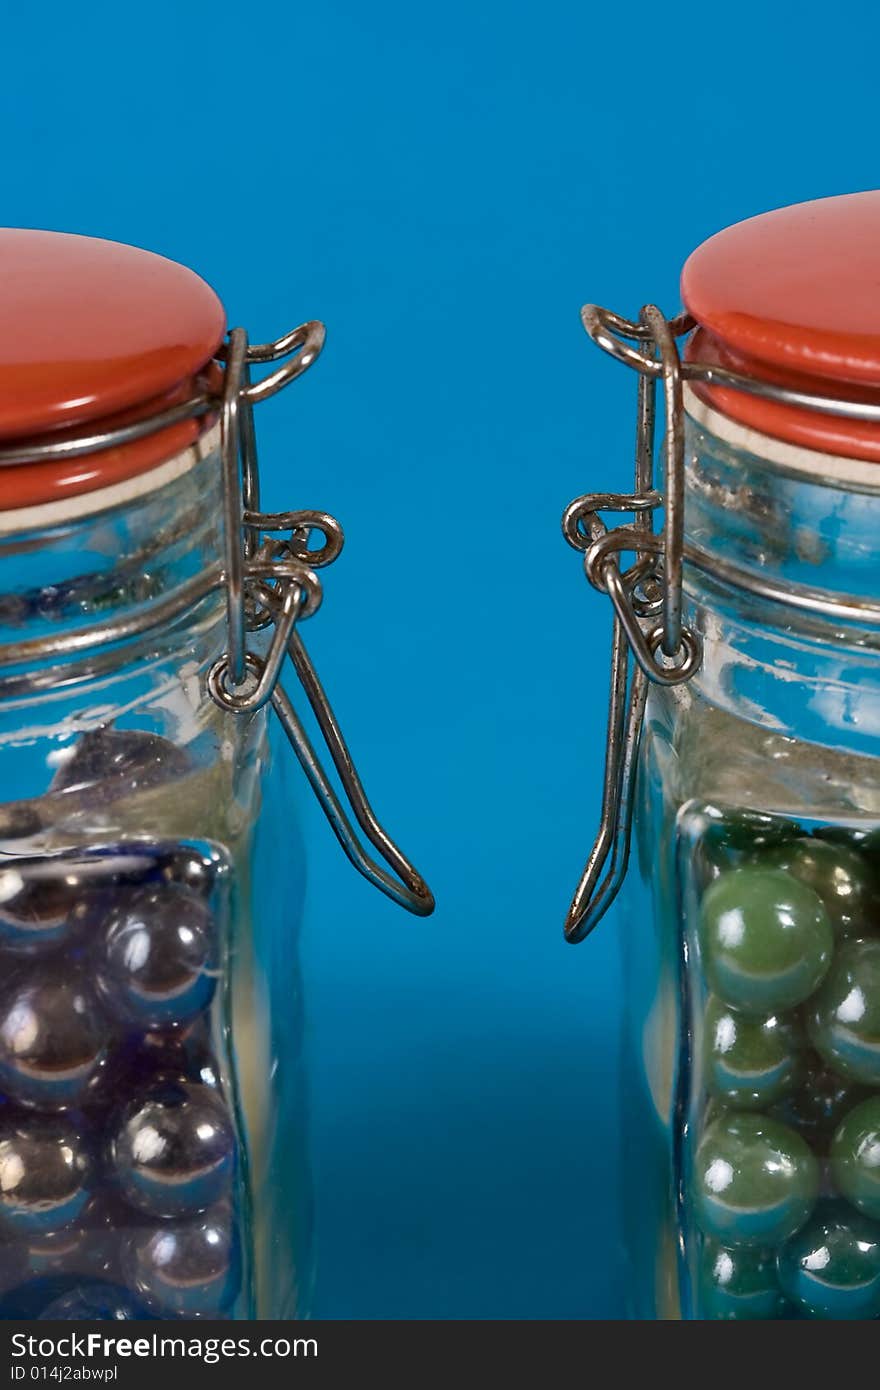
x=753, y=939
x=752, y=934
x=744, y=761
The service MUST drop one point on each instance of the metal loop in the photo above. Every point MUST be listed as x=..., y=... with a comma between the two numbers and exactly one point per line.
x=309, y=335
x=218, y=683
x=647, y=594
x=579, y=515
x=293, y=571
x=687, y=657
x=302, y=524
x=607, y=328
x=608, y=546
x=641, y=643
x=306, y=341
x=267, y=669
x=635, y=578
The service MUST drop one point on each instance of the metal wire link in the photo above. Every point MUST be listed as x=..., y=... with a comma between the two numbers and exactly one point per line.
x=272, y=581
x=302, y=526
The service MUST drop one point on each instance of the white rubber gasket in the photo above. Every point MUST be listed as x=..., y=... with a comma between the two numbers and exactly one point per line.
x=65, y=509
x=792, y=458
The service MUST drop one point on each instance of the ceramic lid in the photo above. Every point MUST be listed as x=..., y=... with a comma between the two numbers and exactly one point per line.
x=793, y=297
x=94, y=334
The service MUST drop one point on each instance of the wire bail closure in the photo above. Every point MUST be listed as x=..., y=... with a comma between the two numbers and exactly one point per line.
x=271, y=580
x=649, y=639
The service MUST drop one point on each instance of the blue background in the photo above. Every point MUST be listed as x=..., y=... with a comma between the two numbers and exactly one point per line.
x=445, y=186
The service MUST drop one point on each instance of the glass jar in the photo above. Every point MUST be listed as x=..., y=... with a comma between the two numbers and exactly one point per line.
x=743, y=754
x=153, y=1147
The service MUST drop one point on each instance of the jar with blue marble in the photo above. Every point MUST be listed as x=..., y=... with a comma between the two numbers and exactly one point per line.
x=153, y=1125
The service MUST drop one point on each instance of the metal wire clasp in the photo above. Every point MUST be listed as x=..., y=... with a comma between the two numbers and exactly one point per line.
x=650, y=641
x=270, y=576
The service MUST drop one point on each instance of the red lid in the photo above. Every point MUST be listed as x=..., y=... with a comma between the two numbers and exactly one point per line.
x=93, y=334
x=793, y=297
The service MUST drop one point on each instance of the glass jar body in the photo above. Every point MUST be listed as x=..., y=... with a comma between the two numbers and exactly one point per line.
x=152, y=1123
x=752, y=915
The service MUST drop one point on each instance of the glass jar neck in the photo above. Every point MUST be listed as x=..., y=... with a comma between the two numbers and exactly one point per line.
x=141, y=550
x=781, y=513
x=767, y=515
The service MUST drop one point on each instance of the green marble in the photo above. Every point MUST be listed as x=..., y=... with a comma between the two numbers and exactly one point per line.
x=831, y=1268
x=838, y=873
x=818, y=1104
x=738, y=1282
x=870, y=845
x=749, y=1062
x=727, y=835
x=843, y=1020
x=754, y=1180
x=855, y=1157
x=765, y=939
x=842, y=835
